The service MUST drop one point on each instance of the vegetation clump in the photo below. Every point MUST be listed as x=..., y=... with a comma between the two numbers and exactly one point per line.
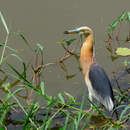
x=64, y=111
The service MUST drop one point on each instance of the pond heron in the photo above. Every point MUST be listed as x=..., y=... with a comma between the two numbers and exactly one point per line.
x=97, y=81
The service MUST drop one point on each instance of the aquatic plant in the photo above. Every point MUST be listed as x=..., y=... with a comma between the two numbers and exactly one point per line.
x=61, y=112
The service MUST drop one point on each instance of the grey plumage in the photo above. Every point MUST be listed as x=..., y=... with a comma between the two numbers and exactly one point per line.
x=102, y=89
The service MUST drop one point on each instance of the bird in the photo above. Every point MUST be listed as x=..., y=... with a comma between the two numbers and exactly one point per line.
x=96, y=79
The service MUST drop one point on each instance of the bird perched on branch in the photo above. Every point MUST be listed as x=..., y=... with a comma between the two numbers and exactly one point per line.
x=97, y=81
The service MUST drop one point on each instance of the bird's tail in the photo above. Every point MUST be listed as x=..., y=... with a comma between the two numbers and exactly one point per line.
x=108, y=103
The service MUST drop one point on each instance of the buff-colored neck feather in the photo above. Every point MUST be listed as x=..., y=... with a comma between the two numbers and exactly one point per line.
x=86, y=55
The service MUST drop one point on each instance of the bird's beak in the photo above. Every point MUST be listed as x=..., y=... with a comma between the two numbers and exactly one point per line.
x=73, y=31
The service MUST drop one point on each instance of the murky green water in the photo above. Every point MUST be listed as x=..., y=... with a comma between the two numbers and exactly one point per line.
x=44, y=21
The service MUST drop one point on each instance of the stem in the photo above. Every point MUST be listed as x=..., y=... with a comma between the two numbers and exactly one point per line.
x=2, y=56
x=24, y=111
x=129, y=32
x=50, y=119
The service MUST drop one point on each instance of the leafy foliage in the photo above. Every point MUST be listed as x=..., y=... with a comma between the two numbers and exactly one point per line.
x=64, y=106
x=67, y=42
x=123, y=51
x=124, y=15
x=128, y=16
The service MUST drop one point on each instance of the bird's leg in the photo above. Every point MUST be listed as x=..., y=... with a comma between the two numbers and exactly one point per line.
x=91, y=106
x=90, y=109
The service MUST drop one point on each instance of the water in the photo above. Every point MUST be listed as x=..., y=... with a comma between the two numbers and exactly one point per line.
x=45, y=21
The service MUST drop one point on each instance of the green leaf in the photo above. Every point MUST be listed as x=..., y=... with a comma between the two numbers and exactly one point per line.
x=61, y=98
x=40, y=47
x=33, y=109
x=6, y=86
x=66, y=121
x=123, y=51
x=123, y=112
x=42, y=87
x=61, y=42
x=120, y=106
x=17, y=57
x=70, y=42
x=118, y=20
x=121, y=17
x=70, y=97
x=113, y=25
x=24, y=66
x=128, y=16
x=4, y=23
x=25, y=40
x=29, y=84
x=53, y=101
x=11, y=49
x=126, y=63
x=23, y=37
x=48, y=98
x=2, y=128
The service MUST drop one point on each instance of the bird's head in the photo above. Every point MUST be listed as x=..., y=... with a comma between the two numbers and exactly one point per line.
x=81, y=30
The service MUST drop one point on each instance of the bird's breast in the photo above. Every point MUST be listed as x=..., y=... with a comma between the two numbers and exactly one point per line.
x=89, y=85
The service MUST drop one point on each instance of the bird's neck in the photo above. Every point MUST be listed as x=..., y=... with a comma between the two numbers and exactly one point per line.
x=86, y=56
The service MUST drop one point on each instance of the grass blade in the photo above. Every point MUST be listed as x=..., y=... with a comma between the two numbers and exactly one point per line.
x=32, y=109
x=96, y=107
x=66, y=121
x=123, y=112
x=42, y=87
x=24, y=79
x=25, y=40
x=23, y=37
x=71, y=98
x=4, y=23
x=61, y=98
x=24, y=66
x=11, y=49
